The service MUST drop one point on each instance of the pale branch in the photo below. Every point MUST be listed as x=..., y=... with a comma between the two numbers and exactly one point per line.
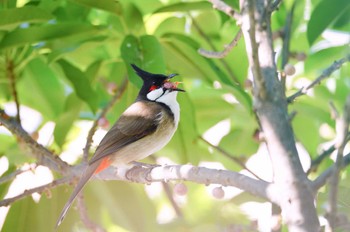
x=92, y=226
x=287, y=32
x=231, y=157
x=15, y=173
x=342, y=125
x=212, y=47
x=42, y=154
x=39, y=189
x=222, y=6
x=200, y=175
x=321, y=180
x=225, y=52
x=104, y=111
x=145, y=174
x=325, y=74
x=10, y=72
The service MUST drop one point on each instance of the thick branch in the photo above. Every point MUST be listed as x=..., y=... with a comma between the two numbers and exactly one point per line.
x=42, y=154
x=325, y=74
x=146, y=174
x=296, y=197
x=200, y=175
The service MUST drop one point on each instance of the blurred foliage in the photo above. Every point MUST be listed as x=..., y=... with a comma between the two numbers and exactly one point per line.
x=66, y=54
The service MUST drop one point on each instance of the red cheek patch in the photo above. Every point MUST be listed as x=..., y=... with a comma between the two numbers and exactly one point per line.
x=153, y=87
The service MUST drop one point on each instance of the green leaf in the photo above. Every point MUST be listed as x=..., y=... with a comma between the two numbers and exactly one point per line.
x=145, y=52
x=153, y=59
x=41, y=89
x=11, y=18
x=324, y=14
x=186, y=6
x=81, y=84
x=37, y=34
x=106, y=5
x=131, y=54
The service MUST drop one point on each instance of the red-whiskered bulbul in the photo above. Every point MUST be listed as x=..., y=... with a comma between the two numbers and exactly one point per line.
x=144, y=128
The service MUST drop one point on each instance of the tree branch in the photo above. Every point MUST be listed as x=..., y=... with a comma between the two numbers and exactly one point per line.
x=85, y=217
x=231, y=157
x=286, y=42
x=39, y=189
x=10, y=72
x=222, y=6
x=222, y=54
x=210, y=43
x=322, y=179
x=342, y=125
x=13, y=175
x=296, y=197
x=104, y=111
x=325, y=74
x=42, y=154
x=201, y=175
x=146, y=174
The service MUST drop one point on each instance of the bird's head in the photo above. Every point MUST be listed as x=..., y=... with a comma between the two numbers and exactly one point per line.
x=156, y=86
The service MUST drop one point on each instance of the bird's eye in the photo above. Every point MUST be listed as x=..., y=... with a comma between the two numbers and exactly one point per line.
x=153, y=87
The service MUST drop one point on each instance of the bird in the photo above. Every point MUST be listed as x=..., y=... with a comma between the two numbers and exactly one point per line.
x=144, y=128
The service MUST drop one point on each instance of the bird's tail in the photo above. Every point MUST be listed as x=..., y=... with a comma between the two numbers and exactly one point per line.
x=89, y=171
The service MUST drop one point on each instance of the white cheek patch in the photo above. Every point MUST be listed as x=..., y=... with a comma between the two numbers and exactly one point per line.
x=155, y=94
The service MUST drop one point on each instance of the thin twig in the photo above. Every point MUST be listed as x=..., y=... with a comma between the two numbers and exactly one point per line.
x=274, y=5
x=325, y=74
x=222, y=6
x=85, y=217
x=316, y=162
x=231, y=157
x=222, y=54
x=39, y=189
x=322, y=179
x=170, y=196
x=10, y=72
x=212, y=47
x=287, y=33
x=13, y=174
x=342, y=124
x=104, y=111
x=168, y=192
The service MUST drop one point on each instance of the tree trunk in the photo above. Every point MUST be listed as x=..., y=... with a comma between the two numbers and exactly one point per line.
x=296, y=198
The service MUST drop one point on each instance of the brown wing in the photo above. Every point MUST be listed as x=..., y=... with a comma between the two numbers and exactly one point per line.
x=140, y=119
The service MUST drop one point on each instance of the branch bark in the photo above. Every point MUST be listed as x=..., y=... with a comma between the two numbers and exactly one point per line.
x=42, y=154
x=296, y=197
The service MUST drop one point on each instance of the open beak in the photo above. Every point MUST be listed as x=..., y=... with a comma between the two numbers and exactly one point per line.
x=172, y=85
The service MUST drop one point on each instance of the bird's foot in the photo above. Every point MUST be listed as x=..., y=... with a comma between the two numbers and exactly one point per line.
x=139, y=172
